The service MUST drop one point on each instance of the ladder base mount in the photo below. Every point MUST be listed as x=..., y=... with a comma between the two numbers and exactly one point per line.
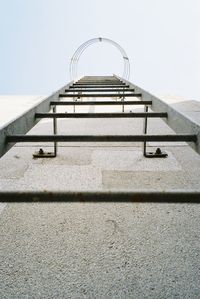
x=42, y=154
x=157, y=154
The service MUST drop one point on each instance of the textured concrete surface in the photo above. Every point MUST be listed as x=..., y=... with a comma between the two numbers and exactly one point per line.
x=87, y=250
x=100, y=251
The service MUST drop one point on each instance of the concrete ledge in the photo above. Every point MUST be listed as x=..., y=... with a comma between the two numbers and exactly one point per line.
x=26, y=121
x=176, y=120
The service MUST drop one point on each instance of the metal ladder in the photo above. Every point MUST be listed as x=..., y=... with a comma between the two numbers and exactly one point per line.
x=101, y=87
x=120, y=93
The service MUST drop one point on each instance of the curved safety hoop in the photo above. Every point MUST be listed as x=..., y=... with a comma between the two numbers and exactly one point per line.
x=84, y=46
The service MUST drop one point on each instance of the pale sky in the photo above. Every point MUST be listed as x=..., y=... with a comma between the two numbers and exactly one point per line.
x=161, y=38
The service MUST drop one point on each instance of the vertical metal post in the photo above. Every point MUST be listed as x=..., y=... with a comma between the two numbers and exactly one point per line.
x=74, y=99
x=55, y=131
x=145, y=131
x=158, y=153
x=41, y=153
x=122, y=101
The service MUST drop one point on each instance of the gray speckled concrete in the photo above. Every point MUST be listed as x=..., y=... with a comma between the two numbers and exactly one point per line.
x=100, y=251
x=93, y=250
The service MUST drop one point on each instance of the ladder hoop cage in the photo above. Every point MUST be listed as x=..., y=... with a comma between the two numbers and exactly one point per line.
x=76, y=56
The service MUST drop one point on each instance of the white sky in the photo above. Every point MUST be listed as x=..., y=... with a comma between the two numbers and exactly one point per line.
x=161, y=38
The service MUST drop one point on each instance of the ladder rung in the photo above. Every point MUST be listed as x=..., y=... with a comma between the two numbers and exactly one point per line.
x=110, y=95
x=102, y=138
x=93, y=103
x=95, y=79
x=102, y=115
x=100, y=90
x=92, y=87
x=99, y=85
x=141, y=196
x=100, y=82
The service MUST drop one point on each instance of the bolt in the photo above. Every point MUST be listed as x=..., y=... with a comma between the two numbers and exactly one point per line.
x=41, y=152
x=158, y=151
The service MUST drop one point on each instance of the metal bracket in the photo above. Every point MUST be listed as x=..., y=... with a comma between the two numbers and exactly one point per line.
x=158, y=153
x=42, y=154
